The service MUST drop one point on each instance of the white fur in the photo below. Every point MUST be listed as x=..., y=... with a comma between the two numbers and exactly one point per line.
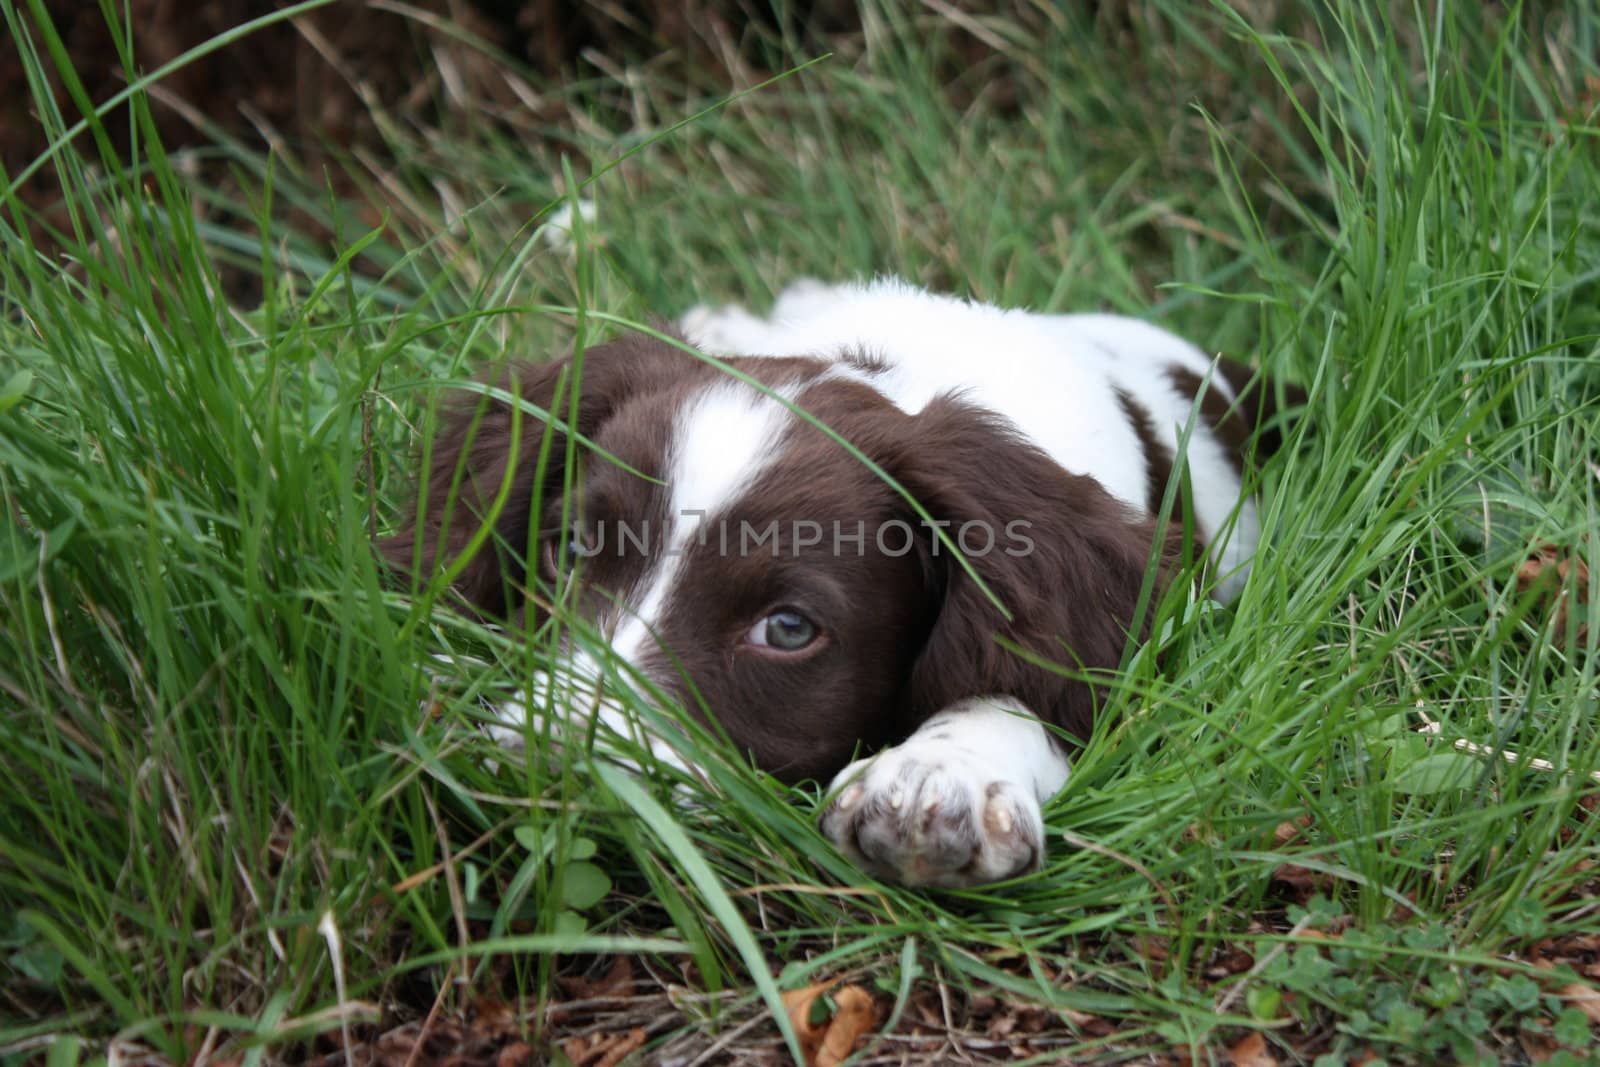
x=1054, y=377
x=1135, y=356
x=958, y=803
x=722, y=440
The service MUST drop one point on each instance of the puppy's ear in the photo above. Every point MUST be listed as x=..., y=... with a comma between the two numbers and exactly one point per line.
x=1065, y=559
x=484, y=447
x=1255, y=413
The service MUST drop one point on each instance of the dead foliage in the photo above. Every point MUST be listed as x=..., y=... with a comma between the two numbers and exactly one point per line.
x=1560, y=575
x=1291, y=881
x=1581, y=952
x=830, y=1021
x=1252, y=1051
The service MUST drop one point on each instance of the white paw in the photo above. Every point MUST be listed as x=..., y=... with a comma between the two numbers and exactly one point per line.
x=923, y=814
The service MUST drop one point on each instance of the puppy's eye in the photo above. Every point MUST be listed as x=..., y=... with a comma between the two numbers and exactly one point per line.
x=560, y=558
x=785, y=630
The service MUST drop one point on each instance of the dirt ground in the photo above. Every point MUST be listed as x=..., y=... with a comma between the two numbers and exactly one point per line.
x=314, y=79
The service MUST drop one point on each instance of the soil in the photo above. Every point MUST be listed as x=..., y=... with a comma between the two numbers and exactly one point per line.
x=312, y=80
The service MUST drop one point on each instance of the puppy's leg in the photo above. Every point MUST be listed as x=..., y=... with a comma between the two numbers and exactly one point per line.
x=956, y=804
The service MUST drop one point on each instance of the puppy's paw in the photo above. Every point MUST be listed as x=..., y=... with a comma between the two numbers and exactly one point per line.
x=922, y=815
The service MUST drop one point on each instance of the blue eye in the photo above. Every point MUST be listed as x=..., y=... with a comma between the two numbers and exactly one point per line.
x=785, y=630
x=560, y=559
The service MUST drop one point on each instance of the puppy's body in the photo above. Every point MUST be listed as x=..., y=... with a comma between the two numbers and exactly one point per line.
x=1103, y=395
x=762, y=571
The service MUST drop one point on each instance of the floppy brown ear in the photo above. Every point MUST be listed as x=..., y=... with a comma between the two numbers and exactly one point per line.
x=1068, y=562
x=481, y=446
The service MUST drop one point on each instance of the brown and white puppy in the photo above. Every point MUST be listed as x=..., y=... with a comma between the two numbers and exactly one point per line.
x=762, y=570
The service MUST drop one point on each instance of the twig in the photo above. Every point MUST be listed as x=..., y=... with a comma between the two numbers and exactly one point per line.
x=1233, y=992
x=1432, y=728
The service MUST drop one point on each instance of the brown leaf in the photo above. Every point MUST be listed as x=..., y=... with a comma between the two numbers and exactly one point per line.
x=1152, y=947
x=1230, y=961
x=1581, y=952
x=1291, y=881
x=830, y=1042
x=1538, y=1045
x=1091, y=1025
x=798, y=1002
x=582, y=1048
x=1584, y=997
x=857, y=1016
x=1405, y=909
x=495, y=1018
x=1299, y=884
x=1557, y=570
x=1018, y=1020
x=1288, y=831
x=1251, y=1051
x=624, y=1044
x=516, y=1054
x=603, y=1050
x=616, y=982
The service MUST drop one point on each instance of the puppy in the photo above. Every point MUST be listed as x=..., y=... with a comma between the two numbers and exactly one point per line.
x=895, y=525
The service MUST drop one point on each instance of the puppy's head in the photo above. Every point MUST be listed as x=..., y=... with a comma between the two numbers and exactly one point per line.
x=763, y=567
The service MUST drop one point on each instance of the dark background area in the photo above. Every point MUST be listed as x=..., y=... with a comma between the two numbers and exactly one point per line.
x=312, y=80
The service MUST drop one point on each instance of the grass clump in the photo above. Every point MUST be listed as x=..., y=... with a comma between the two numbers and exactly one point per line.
x=249, y=811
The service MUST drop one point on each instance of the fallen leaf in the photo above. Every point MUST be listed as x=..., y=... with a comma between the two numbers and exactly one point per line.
x=1557, y=570
x=828, y=1041
x=616, y=982
x=1586, y=998
x=1018, y=1019
x=603, y=1050
x=981, y=1004
x=1091, y=1025
x=1581, y=952
x=1299, y=884
x=857, y=1016
x=1230, y=961
x=1153, y=947
x=1251, y=1051
x=1538, y=1045
x=516, y=1054
x=1406, y=908
x=1288, y=831
x=495, y=1018
x=634, y=1039
x=1291, y=881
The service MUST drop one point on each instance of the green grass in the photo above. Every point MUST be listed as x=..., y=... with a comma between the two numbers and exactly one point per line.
x=239, y=814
